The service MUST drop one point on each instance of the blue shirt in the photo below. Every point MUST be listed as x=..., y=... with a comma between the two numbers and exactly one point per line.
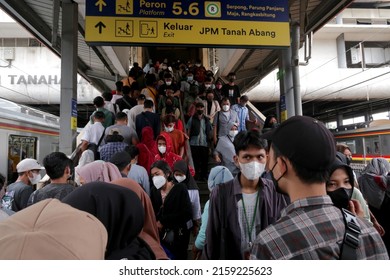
x=140, y=175
x=243, y=115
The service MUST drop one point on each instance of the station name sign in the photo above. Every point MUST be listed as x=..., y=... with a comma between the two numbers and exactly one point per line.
x=230, y=23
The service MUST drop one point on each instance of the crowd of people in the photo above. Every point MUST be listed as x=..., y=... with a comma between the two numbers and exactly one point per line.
x=277, y=191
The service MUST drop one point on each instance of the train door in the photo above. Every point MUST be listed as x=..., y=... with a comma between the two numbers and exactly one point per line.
x=19, y=148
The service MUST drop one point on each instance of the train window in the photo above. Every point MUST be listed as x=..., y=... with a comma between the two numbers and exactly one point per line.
x=20, y=147
x=372, y=145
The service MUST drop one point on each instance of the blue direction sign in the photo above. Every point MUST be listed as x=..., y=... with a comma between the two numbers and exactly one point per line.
x=191, y=22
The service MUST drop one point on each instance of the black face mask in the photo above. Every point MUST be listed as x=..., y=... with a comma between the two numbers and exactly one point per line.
x=200, y=112
x=341, y=197
x=275, y=181
x=349, y=159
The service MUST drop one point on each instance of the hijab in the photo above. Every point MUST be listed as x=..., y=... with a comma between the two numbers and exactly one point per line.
x=52, y=230
x=182, y=167
x=374, y=181
x=217, y=176
x=99, y=171
x=121, y=212
x=149, y=232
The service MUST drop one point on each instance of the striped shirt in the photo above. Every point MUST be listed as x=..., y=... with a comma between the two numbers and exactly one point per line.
x=312, y=228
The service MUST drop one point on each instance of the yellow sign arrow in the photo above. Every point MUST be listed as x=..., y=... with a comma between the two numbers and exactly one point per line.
x=100, y=3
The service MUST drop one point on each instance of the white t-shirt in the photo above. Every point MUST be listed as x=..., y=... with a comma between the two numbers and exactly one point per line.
x=93, y=133
x=132, y=113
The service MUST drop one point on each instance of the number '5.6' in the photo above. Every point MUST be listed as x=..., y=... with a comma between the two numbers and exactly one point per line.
x=177, y=10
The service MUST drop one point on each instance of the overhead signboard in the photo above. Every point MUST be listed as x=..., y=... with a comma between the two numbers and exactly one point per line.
x=232, y=23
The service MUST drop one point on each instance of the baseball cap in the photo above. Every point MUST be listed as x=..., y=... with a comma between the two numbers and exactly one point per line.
x=114, y=131
x=52, y=230
x=28, y=164
x=305, y=141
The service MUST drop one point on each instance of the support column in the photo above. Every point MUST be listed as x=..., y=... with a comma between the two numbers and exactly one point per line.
x=341, y=51
x=68, y=106
x=287, y=107
x=339, y=119
x=295, y=35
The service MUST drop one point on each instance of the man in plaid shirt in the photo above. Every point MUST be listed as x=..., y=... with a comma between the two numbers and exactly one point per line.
x=311, y=227
x=114, y=145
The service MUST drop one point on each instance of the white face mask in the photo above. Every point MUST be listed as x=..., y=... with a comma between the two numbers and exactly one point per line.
x=168, y=83
x=159, y=181
x=162, y=149
x=252, y=170
x=233, y=133
x=168, y=128
x=180, y=178
x=35, y=179
x=226, y=107
x=190, y=78
x=207, y=86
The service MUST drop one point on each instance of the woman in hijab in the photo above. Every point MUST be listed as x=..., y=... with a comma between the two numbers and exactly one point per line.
x=183, y=175
x=98, y=171
x=121, y=212
x=149, y=232
x=86, y=157
x=340, y=188
x=374, y=183
x=172, y=207
x=218, y=175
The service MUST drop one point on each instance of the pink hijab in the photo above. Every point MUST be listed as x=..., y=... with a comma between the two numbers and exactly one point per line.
x=99, y=171
x=149, y=232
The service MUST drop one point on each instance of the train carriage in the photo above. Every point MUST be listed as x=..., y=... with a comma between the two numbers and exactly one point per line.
x=25, y=132
x=367, y=142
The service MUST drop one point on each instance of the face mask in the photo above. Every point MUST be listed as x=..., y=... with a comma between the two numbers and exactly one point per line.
x=168, y=83
x=35, y=179
x=164, y=67
x=226, y=107
x=341, y=197
x=197, y=65
x=252, y=170
x=275, y=181
x=180, y=178
x=218, y=86
x=169, y=128
x=190, y=78
x=233, y=133
x=162, y=149
x=159, y=181
x=207, y=86
x=349, y=160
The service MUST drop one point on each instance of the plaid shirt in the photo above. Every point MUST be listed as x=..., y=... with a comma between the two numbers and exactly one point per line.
x=312, y=228
x=111, y=148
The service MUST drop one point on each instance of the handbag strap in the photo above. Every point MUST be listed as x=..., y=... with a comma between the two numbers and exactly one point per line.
x=127, y=103
x=101, y=137
x=351, y=237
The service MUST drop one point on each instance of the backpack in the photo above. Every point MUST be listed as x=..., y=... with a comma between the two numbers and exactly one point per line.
x=7, y=200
